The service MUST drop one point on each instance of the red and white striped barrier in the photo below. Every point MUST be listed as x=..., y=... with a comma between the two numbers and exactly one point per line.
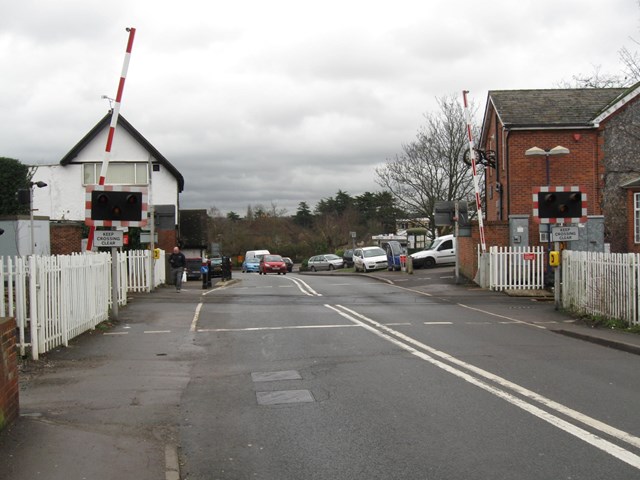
x=114, y=123
x=476, y=186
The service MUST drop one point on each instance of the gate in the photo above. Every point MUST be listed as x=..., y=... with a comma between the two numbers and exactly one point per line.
x=516, y=268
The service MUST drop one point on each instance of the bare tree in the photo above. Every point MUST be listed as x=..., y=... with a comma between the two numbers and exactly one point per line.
x=600, y=79
x=431, y=168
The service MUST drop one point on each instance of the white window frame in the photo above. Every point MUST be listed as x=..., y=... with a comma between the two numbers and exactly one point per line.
x=140, y=169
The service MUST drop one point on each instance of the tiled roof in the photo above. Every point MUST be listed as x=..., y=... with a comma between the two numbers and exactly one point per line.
x=557, y=107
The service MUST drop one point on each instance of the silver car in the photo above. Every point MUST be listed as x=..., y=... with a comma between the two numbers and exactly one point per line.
x=325, y=262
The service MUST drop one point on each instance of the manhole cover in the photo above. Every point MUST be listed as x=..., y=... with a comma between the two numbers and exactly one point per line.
x=284, y=396
x=275, y=376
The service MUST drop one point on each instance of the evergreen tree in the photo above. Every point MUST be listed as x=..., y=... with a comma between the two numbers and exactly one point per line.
x=13, y=177
x=303, y=216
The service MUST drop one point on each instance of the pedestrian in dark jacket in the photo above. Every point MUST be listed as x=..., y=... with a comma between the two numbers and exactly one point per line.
x=226, y=268
x=178, y=264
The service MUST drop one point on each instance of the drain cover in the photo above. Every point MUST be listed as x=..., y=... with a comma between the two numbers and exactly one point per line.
x=284, y=396
x=275, y=376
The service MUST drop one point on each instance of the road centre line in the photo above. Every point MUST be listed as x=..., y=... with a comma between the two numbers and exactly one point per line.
x=116, y=333
x=288, y=327
x=405, y=343
x=304, y=287
x=438, y=323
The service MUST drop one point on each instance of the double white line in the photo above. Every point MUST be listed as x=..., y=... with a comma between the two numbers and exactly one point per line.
x=477, y=376
x=304, y=287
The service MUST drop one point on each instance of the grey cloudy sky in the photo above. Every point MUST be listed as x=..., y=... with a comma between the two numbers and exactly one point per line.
x=282, y=101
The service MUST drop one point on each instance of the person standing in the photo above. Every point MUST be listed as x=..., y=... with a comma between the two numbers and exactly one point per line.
x=178, y=263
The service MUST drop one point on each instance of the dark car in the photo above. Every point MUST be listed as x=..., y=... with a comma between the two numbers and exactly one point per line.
x=347, y=257
x=215, y=267
x=194, y=271
x=289, y=263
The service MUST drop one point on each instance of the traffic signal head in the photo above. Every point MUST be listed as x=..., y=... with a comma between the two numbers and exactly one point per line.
x=116, y=205
x=559, y=204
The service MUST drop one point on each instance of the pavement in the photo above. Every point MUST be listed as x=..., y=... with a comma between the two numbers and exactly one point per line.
x=89, y=411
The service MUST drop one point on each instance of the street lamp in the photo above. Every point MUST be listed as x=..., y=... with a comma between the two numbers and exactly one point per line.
x=39, y=184
x=537, y=151
x=558, y=150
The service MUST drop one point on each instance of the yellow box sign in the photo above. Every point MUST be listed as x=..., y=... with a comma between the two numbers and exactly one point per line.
x=554, y=258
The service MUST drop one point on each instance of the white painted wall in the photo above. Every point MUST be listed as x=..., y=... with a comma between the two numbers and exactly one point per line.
x=64, y=196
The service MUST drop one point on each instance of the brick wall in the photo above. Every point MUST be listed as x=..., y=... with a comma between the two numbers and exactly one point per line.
x=66, y=238
x=518, y=174
x=9, y=407
x=496, y=233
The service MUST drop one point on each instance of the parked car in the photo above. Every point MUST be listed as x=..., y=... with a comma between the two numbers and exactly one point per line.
x=194, y=268
x=442, y=251
x=368, y=259
x=215, y=267
x=347, y=258
x=289, y=263
x=328, y=261
x=272, y=264
x=251, y=264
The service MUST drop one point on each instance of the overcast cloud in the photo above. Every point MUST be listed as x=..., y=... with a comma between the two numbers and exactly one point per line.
x=278, y=102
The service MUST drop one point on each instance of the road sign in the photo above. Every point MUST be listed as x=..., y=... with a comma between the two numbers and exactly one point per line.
x=564, y=234
x=108, y=238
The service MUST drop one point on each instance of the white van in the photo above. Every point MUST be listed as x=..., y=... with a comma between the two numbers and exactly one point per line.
x=442, y=251
x=255, y=253
x=251, y=261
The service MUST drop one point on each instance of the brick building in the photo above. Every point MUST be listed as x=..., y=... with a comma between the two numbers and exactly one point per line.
x=600, y=129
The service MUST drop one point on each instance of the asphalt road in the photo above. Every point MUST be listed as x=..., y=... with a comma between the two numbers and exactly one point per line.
x=329, y=377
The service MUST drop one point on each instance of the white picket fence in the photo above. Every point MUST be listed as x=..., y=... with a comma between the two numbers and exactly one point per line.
x=56, y=298
x=518, y=268
x=602, y=284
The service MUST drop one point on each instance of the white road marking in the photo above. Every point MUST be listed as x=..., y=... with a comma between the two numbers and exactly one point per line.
x=405, y=343
x=288, y=327
x=116, y=333
x=438, y=323
x=196, y=316
x=157, y=331
x=304, y=287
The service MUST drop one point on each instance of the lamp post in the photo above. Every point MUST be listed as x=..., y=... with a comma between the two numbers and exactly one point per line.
x=39, y=184
x=557, y=150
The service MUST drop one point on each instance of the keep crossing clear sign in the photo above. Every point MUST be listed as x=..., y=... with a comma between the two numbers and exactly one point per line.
x=564, y=234
x=108, y=238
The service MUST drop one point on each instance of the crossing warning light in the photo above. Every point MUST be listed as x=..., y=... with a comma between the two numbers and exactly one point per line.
x=116, y=205
x=559, y=205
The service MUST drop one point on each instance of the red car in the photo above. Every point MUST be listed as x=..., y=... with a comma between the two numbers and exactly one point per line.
x=272, y=264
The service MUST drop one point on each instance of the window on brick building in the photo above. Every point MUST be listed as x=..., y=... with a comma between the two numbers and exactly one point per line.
x=636, y=217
